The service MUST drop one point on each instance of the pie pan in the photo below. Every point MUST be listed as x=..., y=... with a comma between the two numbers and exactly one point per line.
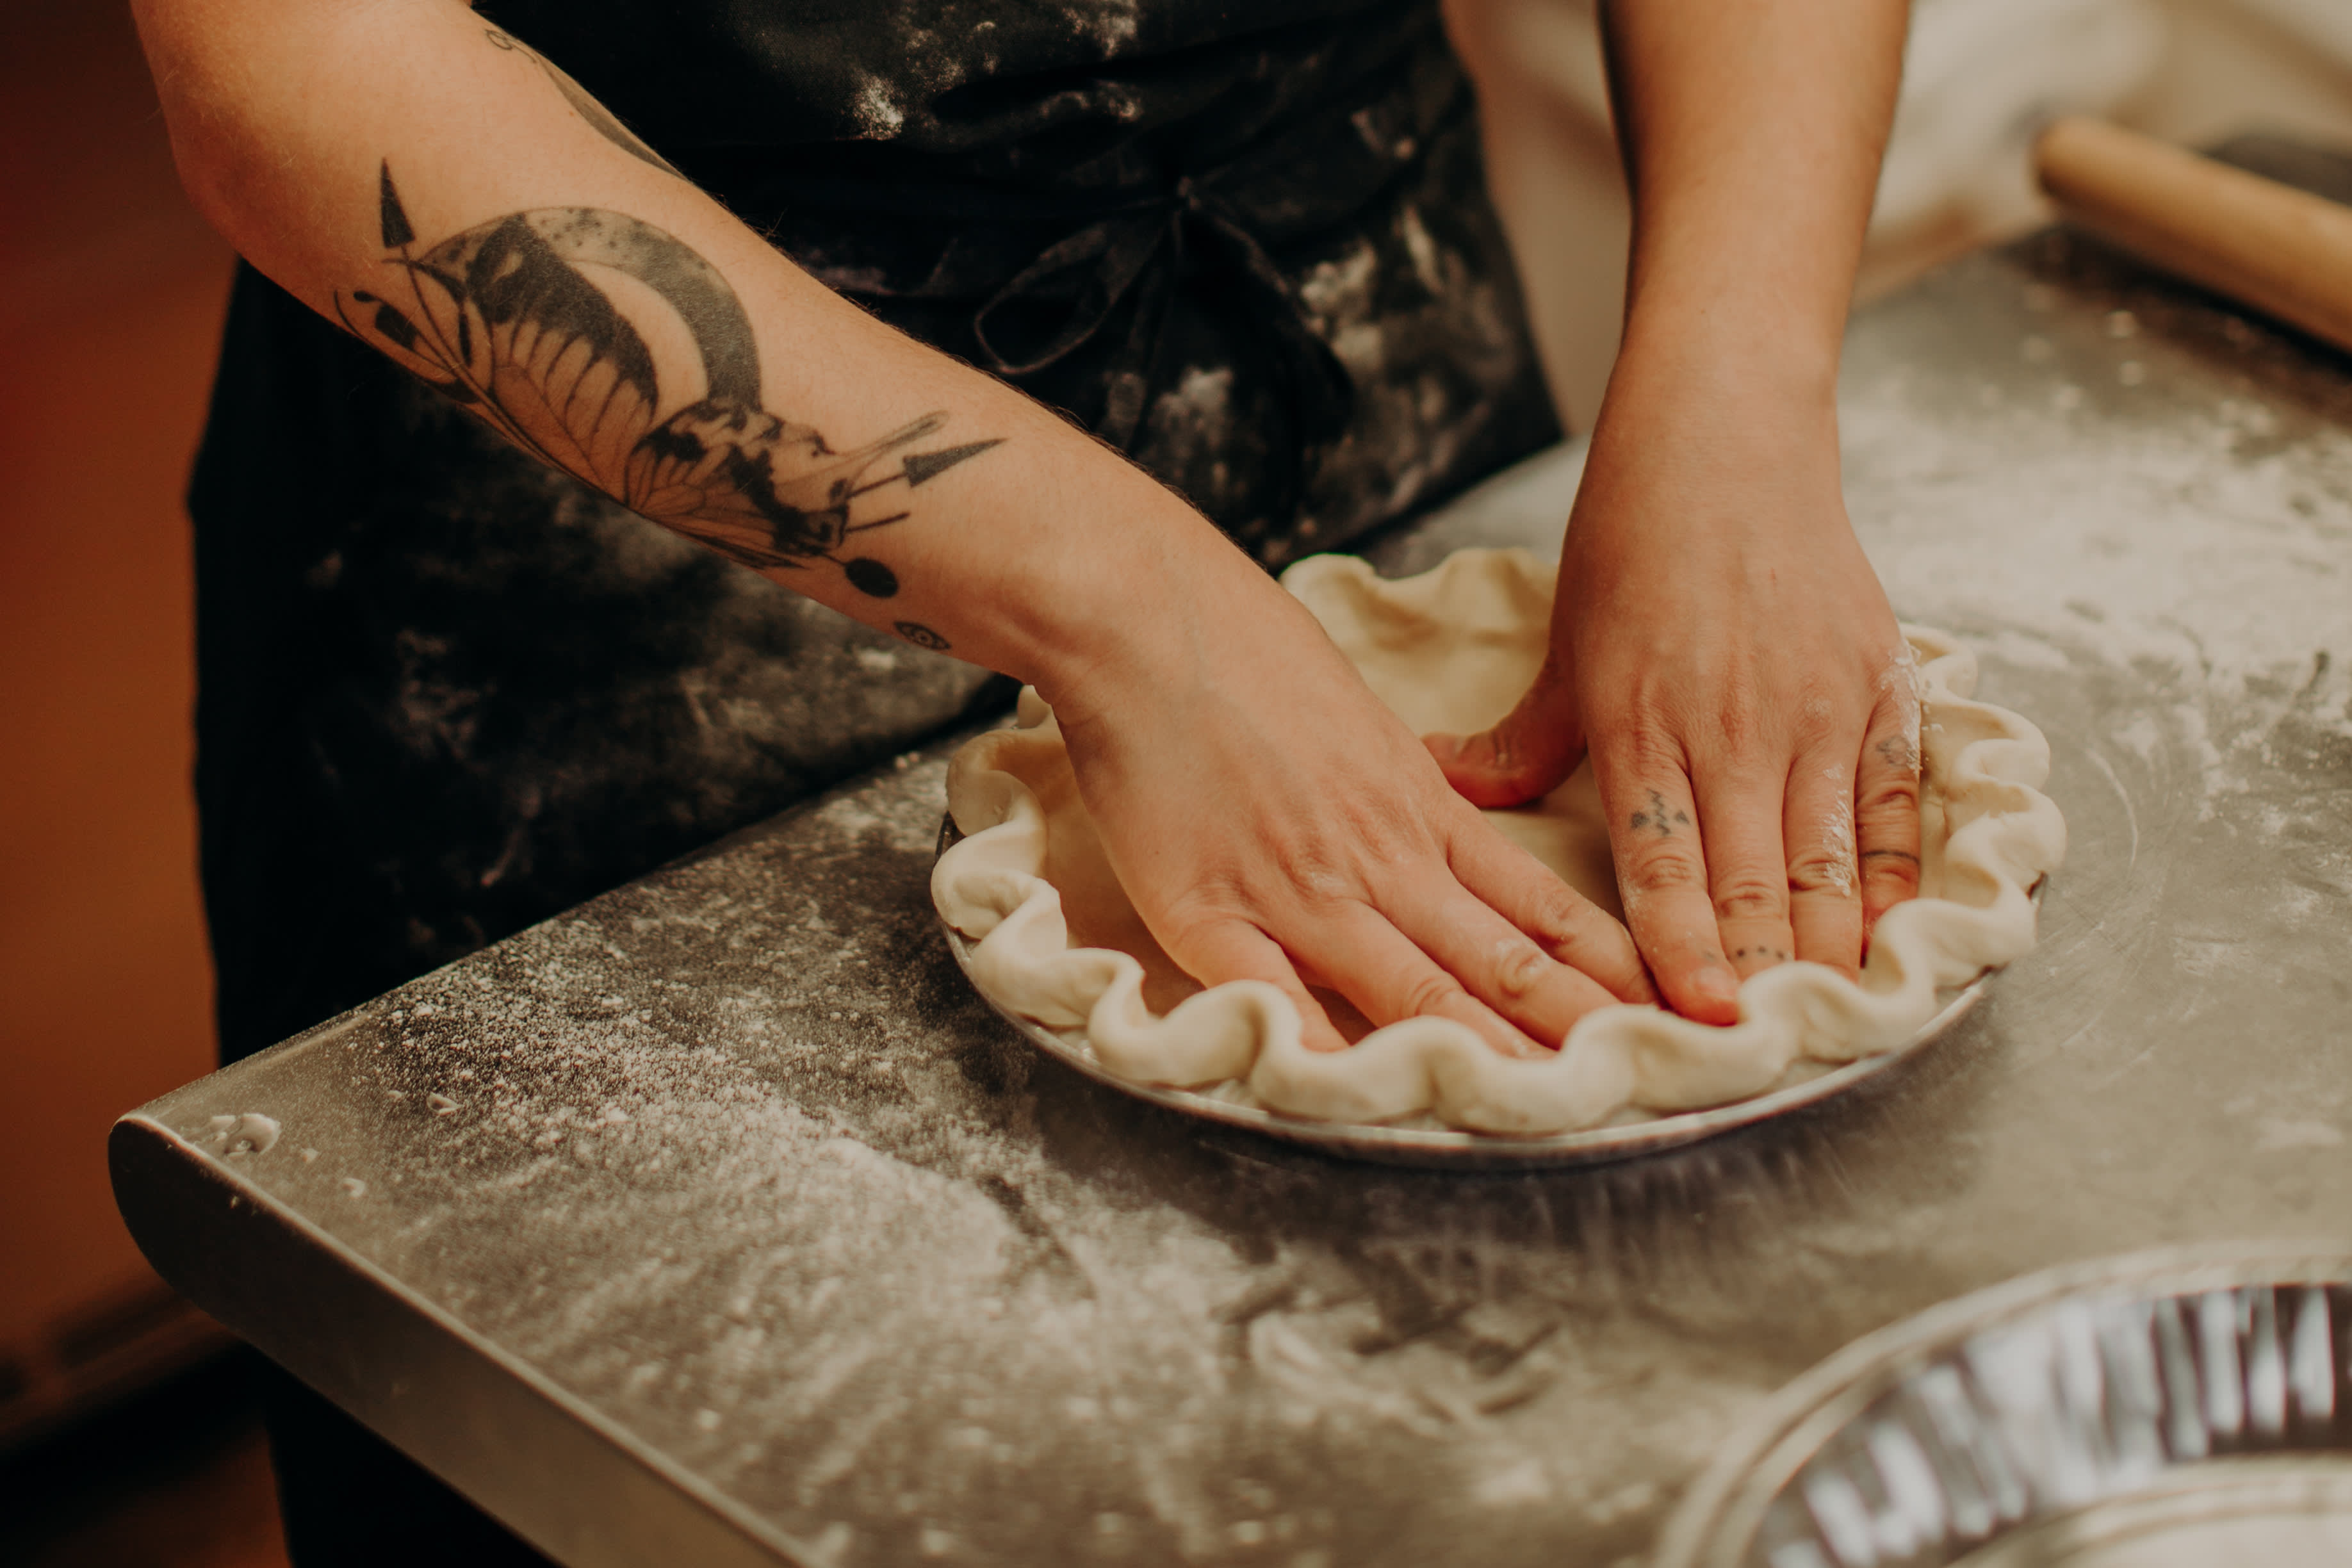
x=1444, y=1147
x=2182, y=1407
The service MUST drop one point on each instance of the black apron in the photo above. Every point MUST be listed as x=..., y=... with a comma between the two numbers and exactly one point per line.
x=445, y=692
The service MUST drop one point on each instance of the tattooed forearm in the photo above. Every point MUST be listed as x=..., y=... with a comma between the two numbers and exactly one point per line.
x=527, y=322
x=598, y=117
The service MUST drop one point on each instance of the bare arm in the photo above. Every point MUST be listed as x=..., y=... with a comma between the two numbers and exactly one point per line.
x=1752, y=131
x=430, y=183
x=1719, y=642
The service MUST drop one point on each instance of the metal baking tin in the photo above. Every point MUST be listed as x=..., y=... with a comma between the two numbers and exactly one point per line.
x=2184, y=1404
x=1450, y=1148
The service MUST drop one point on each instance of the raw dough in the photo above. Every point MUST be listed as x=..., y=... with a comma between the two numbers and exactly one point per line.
x=1452, y=649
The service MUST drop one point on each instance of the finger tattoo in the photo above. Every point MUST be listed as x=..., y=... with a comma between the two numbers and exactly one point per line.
x=1659, y=818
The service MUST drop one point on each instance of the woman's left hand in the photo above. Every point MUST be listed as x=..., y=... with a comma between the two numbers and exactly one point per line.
x=1722, y=647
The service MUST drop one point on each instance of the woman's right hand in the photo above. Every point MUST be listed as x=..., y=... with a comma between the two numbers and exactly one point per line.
x=1272, y=820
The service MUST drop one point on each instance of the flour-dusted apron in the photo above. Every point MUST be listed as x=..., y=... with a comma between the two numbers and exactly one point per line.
x=445, y=692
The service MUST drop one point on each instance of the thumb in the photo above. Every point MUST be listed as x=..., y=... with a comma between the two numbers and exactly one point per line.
x=1528, y=754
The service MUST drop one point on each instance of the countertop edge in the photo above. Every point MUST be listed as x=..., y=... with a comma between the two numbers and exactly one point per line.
x=561, y=1474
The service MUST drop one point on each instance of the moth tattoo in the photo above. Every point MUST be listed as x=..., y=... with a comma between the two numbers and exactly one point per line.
x=538, y=322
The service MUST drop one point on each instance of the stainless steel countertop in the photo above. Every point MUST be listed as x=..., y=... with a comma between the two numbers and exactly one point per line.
x=717, y=1221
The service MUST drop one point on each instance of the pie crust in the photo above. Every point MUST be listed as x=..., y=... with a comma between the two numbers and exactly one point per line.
x=1057, y=942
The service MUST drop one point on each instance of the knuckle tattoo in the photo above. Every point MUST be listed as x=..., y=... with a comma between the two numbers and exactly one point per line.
x=1659, y=818
x=1894, y=871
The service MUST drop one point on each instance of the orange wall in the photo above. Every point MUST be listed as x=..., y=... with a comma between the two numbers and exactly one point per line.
x=110, y=297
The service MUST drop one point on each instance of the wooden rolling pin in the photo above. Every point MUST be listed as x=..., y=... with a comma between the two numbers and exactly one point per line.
x=2279, y=249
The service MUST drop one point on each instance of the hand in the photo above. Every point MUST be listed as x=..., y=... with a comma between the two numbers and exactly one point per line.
x=1273, y=821
x=1722, y=647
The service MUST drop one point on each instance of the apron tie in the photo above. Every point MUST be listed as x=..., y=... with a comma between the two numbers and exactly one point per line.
x=1141, y=251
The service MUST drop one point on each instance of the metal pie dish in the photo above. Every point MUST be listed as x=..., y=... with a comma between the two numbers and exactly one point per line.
x=1392, y=1143
x=2184, y=1407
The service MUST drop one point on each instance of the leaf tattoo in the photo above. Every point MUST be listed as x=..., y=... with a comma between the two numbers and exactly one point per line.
x=527, y=321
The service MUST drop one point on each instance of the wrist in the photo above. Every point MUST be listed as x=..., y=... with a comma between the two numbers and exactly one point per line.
x=1686, y=441
x=1750, y=420
x=1055, y=561
x=1728, y=353
x=1161, y=609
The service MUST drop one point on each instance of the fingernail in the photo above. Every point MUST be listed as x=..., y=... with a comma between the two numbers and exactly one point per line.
x=1717, y=983
x=1444, y=748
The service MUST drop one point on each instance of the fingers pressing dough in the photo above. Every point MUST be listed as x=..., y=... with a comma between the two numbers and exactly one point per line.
x=1449, y=651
